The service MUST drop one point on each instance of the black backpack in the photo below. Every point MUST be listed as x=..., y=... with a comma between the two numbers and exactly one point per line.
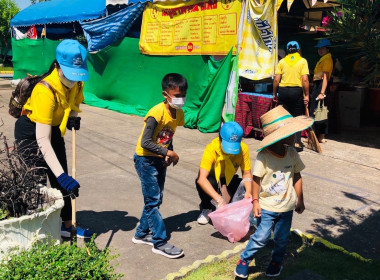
x=23, y=91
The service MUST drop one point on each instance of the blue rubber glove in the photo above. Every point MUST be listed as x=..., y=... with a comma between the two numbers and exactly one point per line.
x=69, y=184
x=73, y=122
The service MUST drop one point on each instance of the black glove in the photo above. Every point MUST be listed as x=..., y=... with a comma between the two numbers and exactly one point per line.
x=69, y=184
x=73, y=122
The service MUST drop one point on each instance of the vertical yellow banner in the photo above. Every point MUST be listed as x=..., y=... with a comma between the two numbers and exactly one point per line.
x=194, y=27
x=258, y=47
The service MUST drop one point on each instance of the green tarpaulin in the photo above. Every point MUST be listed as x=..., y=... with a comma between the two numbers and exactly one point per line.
x=124, y=80
x=32, y=56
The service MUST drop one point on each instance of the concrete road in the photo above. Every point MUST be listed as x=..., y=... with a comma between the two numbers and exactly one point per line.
x=341, y=189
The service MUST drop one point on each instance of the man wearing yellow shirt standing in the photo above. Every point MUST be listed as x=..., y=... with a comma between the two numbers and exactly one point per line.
x=53, y=106
x=321, y=78
x=217, y=182
x=291, y=82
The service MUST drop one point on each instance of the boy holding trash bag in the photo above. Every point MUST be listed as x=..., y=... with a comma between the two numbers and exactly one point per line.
x=217, y=182
x=277, y=187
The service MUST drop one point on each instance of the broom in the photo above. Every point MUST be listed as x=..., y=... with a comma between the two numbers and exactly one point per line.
x=73, y=202
x=312, y=141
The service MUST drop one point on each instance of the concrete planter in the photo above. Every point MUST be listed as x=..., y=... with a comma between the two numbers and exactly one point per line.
x=21, y=233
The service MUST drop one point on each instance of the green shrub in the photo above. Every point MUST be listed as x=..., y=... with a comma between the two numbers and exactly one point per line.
x=63, y=261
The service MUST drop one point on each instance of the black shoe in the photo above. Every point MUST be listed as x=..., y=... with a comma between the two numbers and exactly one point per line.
x=147, y=239
x=274, y=269
x=168, y=251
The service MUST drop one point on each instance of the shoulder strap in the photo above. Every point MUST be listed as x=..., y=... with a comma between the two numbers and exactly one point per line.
x=47, y=85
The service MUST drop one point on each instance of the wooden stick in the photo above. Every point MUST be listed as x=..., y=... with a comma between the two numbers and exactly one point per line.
x=73, y=174
x=313, y=142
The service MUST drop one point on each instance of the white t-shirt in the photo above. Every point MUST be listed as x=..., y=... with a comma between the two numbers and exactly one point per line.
x=277, y=193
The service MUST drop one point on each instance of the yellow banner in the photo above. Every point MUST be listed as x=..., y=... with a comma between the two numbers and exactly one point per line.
x=194, y=27
x=258, y=47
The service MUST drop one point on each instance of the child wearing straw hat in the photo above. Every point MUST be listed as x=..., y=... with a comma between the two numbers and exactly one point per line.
x=277, y=187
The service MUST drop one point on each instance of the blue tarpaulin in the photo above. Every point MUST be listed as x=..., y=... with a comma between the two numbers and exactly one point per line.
x=104, y=31
x=59, y=11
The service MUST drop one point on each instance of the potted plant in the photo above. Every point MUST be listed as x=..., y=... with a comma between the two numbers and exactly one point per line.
x=29, y=211
x=356, y=25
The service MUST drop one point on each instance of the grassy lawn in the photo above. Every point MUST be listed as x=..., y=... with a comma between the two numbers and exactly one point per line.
x=312, y=256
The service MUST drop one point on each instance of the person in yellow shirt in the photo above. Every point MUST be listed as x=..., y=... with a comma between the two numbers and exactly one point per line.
x=154, y=153
x=321, y=78
x=217, y=182
x=276, y=189
x=52, y=107
x=291, y=82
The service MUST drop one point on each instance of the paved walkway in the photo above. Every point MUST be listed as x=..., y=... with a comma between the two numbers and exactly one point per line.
x=341, y=189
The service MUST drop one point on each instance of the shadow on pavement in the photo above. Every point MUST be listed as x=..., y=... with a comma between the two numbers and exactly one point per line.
x=105, y=221
x=179, y=222
x=358, y=233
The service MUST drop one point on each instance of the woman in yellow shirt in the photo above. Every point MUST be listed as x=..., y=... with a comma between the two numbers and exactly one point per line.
x=53, y=106
x=321, y=78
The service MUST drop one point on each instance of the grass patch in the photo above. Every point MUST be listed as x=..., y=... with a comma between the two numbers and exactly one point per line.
x=320, y=257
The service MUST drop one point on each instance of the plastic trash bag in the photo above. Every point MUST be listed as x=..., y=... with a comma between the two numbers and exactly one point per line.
x=232, y=220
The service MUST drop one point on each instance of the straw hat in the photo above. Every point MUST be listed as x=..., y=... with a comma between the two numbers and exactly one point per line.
x=279, y=124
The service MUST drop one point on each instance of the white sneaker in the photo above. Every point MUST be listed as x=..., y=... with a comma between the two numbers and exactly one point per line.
x=203, y=218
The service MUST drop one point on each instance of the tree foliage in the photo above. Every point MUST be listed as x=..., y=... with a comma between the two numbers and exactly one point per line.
x=356, y=24
x=8, y=9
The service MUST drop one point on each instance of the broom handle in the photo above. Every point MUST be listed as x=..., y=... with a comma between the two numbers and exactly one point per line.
x=74, y=173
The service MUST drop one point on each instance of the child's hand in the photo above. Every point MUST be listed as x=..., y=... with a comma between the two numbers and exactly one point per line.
x=174, y=158
x=168, y=161
x=247, y=195
x=256, y=209
x=300, y=207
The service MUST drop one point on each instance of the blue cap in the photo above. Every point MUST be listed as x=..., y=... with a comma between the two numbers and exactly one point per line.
x=72, y=58
x=293, y=45
x=323, y=43
x=231, y=134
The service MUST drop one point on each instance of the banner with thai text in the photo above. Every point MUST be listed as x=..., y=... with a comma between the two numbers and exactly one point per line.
x=207, y=27
x=258, y=46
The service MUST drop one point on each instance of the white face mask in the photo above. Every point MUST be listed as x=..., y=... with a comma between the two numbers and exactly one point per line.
x=177, y=102
x=68, y=83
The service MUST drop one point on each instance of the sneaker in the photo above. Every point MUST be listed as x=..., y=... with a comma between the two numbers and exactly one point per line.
x=147, y=239
x=203, y=218
x=84, y=233
x=81, y=233
x=241, y=269
x=274, y=269
x=168, y=251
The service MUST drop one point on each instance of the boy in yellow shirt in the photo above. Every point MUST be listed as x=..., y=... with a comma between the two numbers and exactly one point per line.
x=154, y=152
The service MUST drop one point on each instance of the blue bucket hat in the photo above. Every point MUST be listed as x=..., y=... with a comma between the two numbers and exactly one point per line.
x=293, y=45
x=231, y=134
x=72, y=58
x=323, y=43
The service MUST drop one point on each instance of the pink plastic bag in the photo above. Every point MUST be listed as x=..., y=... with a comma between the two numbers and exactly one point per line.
x=232, y=220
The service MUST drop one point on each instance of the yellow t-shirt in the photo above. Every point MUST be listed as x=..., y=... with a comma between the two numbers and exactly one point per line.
x=292, y=68
x=164, y=131
x=51, y=108
x=224, y=165
x=277, y=192
x=325, y=64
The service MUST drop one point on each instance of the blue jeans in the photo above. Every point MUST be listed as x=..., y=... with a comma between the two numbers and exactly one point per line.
x=152, y=172
x=281, y=222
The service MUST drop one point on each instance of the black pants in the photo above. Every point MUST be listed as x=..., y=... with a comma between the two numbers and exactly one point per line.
x=25, y=135
x=319, y=127
x=292, y=100
x=206, y=199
